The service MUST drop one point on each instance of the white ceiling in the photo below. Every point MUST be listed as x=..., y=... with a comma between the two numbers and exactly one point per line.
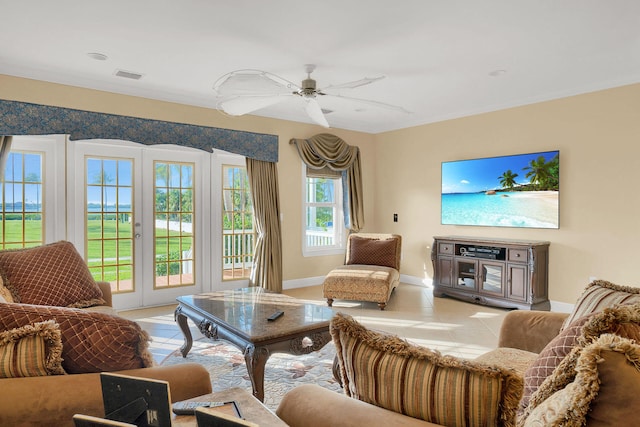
x=437, y=56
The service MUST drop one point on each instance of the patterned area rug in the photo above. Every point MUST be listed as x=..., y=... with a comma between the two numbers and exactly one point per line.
x=283, y=372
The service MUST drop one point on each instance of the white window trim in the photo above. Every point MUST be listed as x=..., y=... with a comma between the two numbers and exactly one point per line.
x=338, y=249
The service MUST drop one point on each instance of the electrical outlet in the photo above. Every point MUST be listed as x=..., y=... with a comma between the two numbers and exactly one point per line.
x=395, y=217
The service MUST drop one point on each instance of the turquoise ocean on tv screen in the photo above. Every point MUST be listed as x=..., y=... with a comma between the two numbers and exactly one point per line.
x=504, y=209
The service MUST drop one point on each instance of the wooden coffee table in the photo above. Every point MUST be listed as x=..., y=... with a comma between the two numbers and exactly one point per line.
x=240, y=317
x=250, y=408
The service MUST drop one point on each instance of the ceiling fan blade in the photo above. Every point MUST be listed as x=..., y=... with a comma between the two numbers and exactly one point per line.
x=354, y=84
x=374, y=103
x=315, y=112
x=252, y=83
x=239, y=105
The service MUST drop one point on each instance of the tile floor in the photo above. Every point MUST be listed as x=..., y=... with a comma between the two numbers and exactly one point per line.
x=450, y=326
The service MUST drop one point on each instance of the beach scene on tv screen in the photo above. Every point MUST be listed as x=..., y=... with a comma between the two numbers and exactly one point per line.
x=509, y=191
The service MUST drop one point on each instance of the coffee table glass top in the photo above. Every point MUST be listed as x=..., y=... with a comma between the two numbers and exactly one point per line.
x=246, y=311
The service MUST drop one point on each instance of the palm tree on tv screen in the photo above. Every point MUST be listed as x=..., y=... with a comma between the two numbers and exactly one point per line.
x=508, y=179
x=538, y=173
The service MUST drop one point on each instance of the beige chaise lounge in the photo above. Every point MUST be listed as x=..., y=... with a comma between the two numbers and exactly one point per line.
x=371, y=271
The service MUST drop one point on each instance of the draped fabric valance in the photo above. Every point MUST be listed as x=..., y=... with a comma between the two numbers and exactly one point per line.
x=21, y=118
x=327, y=151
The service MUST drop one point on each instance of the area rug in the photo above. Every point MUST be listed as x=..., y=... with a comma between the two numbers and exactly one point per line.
x=283, y=372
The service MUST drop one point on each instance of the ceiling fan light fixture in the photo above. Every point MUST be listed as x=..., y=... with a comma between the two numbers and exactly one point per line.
x=308, y=88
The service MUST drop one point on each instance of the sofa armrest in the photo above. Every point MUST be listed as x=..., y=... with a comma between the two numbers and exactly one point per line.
x=530, y=330
x=105, y=287
x=310, y=405
x=53, y=400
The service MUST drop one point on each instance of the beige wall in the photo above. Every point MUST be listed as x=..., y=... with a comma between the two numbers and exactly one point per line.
x=598, y=136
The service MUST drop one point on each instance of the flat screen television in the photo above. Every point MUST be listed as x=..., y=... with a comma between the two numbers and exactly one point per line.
x=521, y=190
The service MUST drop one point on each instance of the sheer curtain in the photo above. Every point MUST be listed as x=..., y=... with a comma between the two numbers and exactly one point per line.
x=329, y=151
x=5, y=148
x=267, y=254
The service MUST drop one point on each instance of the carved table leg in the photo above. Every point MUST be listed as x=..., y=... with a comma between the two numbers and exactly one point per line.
x=181, y=320
x=256, y=359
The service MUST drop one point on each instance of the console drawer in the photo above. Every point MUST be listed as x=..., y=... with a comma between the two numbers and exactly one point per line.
x=445, y=248
x=517, y=255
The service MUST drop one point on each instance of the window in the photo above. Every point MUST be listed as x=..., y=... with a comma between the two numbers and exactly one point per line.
x=237, y=224
x=22, y=211
x=324, y=224
x=174, y=220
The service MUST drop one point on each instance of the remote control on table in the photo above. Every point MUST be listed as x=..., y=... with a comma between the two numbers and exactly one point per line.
x=275, y=315
x=189, y=408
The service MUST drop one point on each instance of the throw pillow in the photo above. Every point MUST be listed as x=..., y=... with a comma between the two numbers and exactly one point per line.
x=389, y=372
x=599, y=295
x=369, y=251
x=559, y=358
x=31, y=351
x=605, y=391
x=91, y=342
x=54, y=274
x=549, y=358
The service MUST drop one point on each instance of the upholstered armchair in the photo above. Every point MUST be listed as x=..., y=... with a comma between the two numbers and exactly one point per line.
x=371, y=270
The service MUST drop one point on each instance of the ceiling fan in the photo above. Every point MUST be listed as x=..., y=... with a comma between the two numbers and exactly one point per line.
x=244, y=91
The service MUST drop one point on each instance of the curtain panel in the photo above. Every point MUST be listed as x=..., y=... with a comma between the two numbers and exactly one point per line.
x=327, y=151
x=267, y=255
x=5, y=148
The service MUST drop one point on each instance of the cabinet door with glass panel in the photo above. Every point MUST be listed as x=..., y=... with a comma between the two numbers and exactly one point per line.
x=480, y=276
x=491, y=277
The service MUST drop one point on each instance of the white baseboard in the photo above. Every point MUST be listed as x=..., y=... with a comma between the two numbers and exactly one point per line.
x=557, y=306
x=302, y=283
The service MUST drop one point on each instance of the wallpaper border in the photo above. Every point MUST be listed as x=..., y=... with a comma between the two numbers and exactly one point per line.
x=22, y=118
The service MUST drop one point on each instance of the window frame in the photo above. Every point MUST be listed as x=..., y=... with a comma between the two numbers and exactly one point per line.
x=340, y=229
x=52, y=149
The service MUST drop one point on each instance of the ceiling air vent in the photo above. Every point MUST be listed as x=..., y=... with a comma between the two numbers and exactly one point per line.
x=128, y=74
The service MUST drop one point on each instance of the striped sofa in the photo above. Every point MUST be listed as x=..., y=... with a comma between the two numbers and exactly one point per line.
x=574, y=369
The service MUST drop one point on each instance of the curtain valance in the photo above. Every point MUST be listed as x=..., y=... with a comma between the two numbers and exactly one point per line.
x=21, y=118
x=329, y=151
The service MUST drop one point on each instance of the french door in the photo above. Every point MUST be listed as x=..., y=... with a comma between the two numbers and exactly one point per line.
x=135, y=214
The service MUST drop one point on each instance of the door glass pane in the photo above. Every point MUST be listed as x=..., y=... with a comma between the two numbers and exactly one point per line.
x=174, y=219
x=109, y=228
x=21, y=212
x=237, y=224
